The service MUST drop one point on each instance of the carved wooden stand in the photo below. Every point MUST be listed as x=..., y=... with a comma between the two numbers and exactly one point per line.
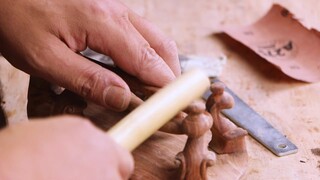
x=228, y=138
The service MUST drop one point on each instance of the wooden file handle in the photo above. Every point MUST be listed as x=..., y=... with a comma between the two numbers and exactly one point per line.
x=146, y=119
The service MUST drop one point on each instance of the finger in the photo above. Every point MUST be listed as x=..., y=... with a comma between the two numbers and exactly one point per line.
x=164, y=46
x=130, y=51
x=62, y=66
x=126, y=163
x=123, y=159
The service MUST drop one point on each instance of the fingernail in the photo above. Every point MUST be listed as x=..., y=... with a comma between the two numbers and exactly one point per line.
x=116, y=98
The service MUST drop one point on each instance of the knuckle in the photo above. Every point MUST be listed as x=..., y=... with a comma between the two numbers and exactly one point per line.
x=122, y=20
x=169, y=46
x=97, y=8
x=109, y=11
x=89, y=84
x=147, y=61
x=76, y=44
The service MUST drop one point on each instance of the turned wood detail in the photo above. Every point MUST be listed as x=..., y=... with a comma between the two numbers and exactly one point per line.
x=227, y=137
x=195, y=157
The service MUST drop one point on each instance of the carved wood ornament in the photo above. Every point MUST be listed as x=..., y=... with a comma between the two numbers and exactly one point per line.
x=228, y=138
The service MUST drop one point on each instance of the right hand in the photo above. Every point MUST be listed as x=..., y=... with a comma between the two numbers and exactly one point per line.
x=64, y=147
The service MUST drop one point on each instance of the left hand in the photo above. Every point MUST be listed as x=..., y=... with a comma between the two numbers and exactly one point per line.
x=44, y=37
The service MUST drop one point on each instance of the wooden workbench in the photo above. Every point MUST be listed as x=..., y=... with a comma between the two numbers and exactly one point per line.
x=291, y=106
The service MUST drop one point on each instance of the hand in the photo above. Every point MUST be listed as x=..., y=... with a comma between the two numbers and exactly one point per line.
x=44, y=38
x=61, y=148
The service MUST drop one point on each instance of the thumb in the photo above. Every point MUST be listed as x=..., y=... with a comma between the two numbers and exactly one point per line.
x=91, y=81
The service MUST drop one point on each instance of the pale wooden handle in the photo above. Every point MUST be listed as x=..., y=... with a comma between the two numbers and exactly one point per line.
x=145, y=120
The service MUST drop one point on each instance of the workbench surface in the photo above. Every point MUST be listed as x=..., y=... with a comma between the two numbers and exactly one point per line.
x=291, y=106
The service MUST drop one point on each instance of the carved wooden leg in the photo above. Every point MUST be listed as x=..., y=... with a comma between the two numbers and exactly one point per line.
x=227, y=137
x=196, y=155
x=181, y=162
